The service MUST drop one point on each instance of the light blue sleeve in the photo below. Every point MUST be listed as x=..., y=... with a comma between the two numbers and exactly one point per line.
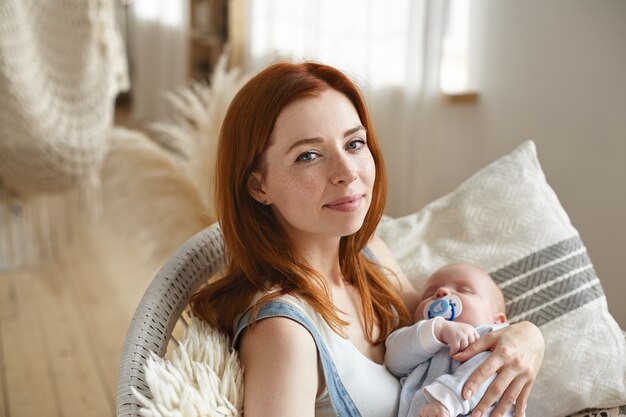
x=447, y=388
x=408, y=347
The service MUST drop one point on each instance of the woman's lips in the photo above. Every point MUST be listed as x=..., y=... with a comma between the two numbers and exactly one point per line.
x=350, y=203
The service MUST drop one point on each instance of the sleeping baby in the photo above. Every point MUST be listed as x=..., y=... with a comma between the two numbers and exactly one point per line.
x=459, y=304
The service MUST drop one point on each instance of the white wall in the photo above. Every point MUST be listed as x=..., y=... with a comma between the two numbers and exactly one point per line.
x=554, y=72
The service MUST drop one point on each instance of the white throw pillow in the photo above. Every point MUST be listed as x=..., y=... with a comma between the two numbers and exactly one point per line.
x=508, y=220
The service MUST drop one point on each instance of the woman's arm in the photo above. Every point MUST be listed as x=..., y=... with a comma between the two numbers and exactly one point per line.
x=281, y=375
x=398, y=279
x=517, y=355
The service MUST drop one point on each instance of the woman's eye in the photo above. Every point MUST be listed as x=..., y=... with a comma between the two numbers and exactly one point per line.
x=356, y=144
x=307, y=156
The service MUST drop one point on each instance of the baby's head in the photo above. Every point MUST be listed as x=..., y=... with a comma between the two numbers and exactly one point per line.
x=481, y=300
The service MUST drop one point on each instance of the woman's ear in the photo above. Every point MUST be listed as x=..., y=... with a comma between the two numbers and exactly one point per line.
x=255, y=188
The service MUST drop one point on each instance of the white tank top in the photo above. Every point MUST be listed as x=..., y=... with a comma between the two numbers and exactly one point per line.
x=374, y=390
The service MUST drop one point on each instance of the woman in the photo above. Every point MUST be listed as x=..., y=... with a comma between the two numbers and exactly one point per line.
x=310, y=293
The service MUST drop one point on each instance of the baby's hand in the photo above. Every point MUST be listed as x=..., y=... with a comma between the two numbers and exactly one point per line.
x=456, y=335
x=434, y=409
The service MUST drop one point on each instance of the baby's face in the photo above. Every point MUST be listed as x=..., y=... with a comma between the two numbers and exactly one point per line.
x=476, y=290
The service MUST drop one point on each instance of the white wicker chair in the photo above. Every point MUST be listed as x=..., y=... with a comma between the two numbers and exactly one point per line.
x=162, y=305
x=160, y=309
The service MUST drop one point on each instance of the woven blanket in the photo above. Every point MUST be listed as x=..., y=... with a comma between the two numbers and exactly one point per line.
x=61, y=65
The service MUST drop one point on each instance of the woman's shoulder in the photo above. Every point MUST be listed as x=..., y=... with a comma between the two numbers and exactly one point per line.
x=381, y=251
x=280, y=359
x=278, y=335
x=285, y=306
x=385, y=258
x=278, y=329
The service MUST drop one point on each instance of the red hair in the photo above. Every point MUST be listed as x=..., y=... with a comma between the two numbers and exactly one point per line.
x=261, y=256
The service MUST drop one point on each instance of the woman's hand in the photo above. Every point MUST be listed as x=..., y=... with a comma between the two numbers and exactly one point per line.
x=517, y=355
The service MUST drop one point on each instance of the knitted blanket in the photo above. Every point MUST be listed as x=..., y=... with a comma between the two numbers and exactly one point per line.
x=61, y=66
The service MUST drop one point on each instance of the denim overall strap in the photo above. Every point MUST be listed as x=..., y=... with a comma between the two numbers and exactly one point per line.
x=340, y=399
x=369, y=254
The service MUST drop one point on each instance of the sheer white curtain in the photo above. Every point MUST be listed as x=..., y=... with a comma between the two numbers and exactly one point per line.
x=391, y=48
x=158, y=39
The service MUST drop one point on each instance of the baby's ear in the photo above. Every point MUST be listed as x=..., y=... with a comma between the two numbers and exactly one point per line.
x=500, y=318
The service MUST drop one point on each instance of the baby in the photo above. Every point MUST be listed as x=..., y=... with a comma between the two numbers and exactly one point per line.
x=459, y=304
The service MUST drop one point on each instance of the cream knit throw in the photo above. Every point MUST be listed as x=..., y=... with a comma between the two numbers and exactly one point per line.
x=61, y=66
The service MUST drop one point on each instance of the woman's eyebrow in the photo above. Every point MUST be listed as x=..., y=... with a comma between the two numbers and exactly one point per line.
x=308, y=141
x=354, y=130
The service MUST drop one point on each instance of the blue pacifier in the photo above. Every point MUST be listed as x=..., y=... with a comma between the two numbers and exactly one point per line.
x=448, y=307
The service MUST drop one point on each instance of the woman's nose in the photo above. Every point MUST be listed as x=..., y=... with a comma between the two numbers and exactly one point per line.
x=344, y=172
x=442, y=292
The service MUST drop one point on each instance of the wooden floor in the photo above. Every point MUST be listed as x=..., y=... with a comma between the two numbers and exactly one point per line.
x=62, y=326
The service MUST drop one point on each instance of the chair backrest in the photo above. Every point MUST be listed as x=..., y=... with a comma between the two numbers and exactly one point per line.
x=160, y=309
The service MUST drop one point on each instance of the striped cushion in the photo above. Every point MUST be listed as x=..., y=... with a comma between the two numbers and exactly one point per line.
x=508, y=220
x=549, y=283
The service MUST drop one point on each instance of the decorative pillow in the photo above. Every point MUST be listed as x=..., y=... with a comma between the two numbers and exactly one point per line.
x=508, y=220
x=203, y=378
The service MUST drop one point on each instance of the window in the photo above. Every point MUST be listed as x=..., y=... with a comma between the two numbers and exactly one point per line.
x=369, y=39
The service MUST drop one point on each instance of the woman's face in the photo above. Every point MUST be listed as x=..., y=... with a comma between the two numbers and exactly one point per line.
x=318, y=172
